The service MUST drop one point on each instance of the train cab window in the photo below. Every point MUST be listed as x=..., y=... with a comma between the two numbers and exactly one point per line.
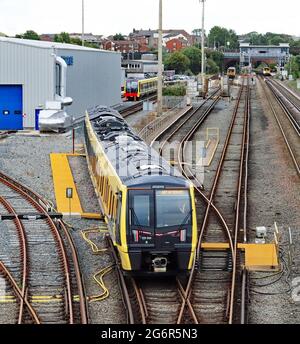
x=140, y=210
x=173, y=208
x=132, y=86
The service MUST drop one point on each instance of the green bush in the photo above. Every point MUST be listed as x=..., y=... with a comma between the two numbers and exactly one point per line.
x=174, y=91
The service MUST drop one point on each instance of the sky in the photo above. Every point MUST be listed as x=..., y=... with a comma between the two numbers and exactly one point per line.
x=111, y=16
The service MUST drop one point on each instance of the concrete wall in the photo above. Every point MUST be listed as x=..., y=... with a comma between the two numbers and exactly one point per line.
x=31, y=67
x=93, y=79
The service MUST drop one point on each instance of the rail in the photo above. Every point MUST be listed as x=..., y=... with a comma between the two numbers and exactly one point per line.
x=294, y=154
x=43, y=207
x=122, y=284
x=231, y=240
x=166, y=119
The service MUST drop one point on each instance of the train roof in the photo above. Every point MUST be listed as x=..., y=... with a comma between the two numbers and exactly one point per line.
x=135, y=162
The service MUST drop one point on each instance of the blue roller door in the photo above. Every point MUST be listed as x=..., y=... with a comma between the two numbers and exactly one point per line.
x=11, y=107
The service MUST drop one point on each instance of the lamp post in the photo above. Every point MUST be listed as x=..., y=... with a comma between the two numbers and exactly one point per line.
x=202, y=48
x=160, y=65
x=82, y=37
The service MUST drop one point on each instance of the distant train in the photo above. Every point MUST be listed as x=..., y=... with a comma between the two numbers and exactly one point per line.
x=148, y=206
x=138, y=88
x=267, y=71
x=231, y=72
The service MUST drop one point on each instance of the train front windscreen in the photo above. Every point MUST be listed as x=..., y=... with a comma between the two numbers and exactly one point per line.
x=161, y=218
x=132, y=86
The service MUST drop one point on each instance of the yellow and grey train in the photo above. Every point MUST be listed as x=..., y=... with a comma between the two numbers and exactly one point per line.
x=267, y=71
x=231, y=72
x=148, y=206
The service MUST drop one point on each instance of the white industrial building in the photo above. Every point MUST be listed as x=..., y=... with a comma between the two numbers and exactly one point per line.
x=53, y=80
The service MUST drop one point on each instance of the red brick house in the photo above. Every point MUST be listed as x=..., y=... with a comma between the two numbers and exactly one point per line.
x=121, y=46
x=176, y=44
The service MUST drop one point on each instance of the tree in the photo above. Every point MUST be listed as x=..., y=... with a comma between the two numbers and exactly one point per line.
x=220, y=36
x=29, y=35
x=217, y=57
x=276, y=40
x=177, y=61
x=211, y=67
x=76, y=41
x=233, y=39
x=256, y=38
x=118, y=37
x=194, y=55
x=295, y=47
x=63, y=37
x=91, y=45
x=293, y=66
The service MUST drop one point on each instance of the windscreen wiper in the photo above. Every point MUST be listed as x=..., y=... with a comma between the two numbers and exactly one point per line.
x=186, y=218
x=135, y=216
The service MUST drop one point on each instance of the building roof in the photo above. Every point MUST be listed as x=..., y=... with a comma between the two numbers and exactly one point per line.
x=248, y=45
x=141, y=33
x=48, y=45
x=155, y=62
x=172, y=32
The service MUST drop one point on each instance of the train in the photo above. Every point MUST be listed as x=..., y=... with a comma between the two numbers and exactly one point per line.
x=149, y=207
x=135, y=89
x=266, y=71
x=231, y=72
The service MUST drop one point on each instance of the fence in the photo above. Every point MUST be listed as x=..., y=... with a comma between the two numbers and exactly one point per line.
x=171, y=102
x=149, y=131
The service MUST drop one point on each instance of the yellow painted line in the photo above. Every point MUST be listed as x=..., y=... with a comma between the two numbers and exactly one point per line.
x=213, y=154
x=208, y=143
x=63, y=179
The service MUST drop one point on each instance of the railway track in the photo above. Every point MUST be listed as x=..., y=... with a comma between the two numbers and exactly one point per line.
x=192, y=119
x=149, y=301
x=156, y=301
x=286, y=111
x=215, y=287
x=289, y=102
x=160, y=301
x=38, y=262
x=138, y=106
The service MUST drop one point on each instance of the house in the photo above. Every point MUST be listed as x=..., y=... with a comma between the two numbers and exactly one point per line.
x=176, y=44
